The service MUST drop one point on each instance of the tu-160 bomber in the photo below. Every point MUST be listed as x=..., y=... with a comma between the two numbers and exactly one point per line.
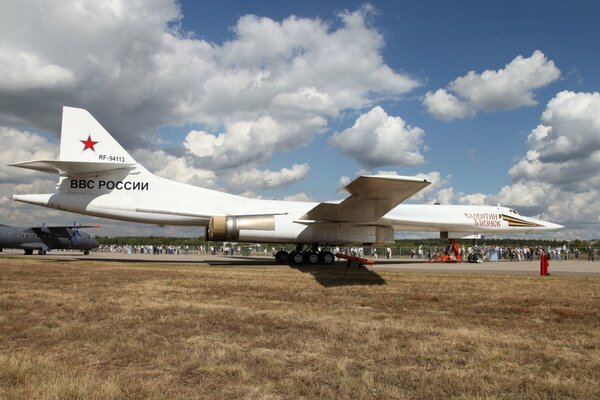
x=98, y=177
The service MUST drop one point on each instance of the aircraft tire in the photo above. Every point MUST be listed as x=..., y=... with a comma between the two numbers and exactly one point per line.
x=282, y=257
x=296, y=257
x=86, y=252
x=311, y=257
x=28, y=252
x=326, y=257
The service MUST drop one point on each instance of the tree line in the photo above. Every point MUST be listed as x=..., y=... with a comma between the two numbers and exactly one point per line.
x=400, y=243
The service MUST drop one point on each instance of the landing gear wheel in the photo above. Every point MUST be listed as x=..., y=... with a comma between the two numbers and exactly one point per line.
x=87, y=252
x=28, y=252
x=296, y=257
x=311, y=257
x=41, y=252
x=282, y=257
x=326, y=257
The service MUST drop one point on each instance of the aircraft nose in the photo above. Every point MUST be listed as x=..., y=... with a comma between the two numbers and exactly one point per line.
x=552, y=226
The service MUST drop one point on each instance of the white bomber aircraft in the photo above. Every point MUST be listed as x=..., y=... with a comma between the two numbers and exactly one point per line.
x=98, y=177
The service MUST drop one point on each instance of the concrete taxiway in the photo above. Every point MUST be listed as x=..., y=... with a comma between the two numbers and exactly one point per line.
x=579, y=267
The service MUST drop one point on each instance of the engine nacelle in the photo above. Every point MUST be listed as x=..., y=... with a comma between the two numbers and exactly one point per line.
x=227, y=228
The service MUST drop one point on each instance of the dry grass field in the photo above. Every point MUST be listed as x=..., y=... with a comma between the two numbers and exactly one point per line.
x=102, y=330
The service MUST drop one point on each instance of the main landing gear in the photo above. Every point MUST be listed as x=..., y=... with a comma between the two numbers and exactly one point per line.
x=310, y=256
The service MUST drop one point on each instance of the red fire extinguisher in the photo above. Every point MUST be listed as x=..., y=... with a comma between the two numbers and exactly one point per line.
x=544, y=264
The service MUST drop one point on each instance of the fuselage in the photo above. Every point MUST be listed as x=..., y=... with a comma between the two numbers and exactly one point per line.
x=140, y=196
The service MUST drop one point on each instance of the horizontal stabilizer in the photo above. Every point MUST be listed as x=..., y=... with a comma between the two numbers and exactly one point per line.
x=371, y=197
x=71, y=167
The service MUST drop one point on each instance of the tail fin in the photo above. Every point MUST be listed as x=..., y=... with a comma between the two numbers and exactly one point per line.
x=83, y=139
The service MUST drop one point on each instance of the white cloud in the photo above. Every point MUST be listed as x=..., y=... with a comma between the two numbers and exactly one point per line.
x=558, y=177
x=377, y=139
x=272, y=85
x=175, y=168
x=344, y=181
x=267, y=178
x=445, y=196
x=504, y=89
x=27, y=71
x=564, y=150
x=557, y=180
x=570, y=128
x=297, y=197
x=473, y=199
x=247, y=142
x=20, y=146
x=446, y=106
x=437, y=183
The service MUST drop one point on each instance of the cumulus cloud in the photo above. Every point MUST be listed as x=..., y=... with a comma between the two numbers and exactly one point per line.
x=297, y=197
x=378, y=139
x=132, y=66
x=175, y=168
x=271, y=86
x=564, y=150
x=558, y=177
x=27, y=71
x=344, y=181
x=245, y=142
x=504, y=89
x=20, y=146
x=446, y=106
x=268, y=178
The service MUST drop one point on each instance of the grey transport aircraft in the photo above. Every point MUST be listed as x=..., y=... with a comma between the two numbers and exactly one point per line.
x=46, y=238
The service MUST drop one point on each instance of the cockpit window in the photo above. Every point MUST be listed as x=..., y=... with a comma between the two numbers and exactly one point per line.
x=513, y=211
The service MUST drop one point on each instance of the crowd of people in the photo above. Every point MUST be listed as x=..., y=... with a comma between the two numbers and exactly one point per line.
x=225, y=249
x=486, y=253
x=508, y=253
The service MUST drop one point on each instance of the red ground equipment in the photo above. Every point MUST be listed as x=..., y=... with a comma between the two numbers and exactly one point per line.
x=450, y=255
x=359, y=260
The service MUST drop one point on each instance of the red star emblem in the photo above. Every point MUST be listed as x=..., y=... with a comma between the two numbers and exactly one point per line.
x=88, y=144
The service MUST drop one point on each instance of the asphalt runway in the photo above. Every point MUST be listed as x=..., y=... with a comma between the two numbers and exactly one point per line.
x=579, y=267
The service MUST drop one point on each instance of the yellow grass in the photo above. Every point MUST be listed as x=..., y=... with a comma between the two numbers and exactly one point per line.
x=76, y=330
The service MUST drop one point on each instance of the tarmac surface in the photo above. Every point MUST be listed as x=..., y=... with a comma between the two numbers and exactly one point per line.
x=579, y=267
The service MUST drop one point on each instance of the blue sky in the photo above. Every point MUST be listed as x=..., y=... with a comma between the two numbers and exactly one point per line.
x=493, y=102
x=435, y=42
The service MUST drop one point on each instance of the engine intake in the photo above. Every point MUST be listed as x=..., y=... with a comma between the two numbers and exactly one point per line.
x=228, y=227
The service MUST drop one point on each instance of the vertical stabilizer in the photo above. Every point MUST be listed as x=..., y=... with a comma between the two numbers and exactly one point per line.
x=83, y=139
